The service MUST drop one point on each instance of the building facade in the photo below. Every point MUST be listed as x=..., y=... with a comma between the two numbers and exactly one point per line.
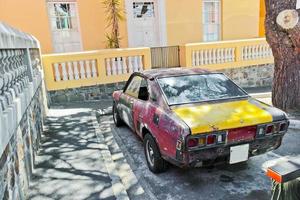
x=77, y=25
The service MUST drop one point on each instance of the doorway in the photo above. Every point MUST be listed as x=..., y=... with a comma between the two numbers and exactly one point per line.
x=146, y=23
x=64, y=26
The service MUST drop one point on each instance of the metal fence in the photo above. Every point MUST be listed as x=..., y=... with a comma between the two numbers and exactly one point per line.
x=165, y=57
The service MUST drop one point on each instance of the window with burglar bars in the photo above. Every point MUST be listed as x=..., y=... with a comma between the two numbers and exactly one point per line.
x=211, y=20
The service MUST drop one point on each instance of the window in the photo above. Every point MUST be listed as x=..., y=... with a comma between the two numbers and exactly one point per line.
x=143, y=9
x=134, y=86
x=143, y=91
x=211, y=20
x=63, y=16
x=199, y=88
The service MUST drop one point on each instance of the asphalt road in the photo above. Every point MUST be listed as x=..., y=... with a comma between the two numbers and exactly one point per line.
x=241, y=181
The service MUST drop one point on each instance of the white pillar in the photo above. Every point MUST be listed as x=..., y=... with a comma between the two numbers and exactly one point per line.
x=119, y=66
x=130, y=66
x=76, y=72
x=88, y=69
x=56, y=72
x=70, y=71
x=108, y=67
x=114, y=68
x=141, y=66
x=82, y=71
x=124, y=65
x=64, y=71
x=94, y=70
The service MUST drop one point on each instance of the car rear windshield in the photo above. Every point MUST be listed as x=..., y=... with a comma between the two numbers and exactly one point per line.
x=199, y=88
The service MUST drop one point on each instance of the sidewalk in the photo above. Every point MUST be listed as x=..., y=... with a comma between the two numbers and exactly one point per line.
x=69, y=165
x=79, y=158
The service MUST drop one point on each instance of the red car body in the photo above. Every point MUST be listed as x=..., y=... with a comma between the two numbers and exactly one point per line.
x=173, y=134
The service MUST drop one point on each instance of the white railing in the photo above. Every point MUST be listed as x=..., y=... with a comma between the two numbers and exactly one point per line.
x=253, y=52
x=213, y=56
x=224, y=54
x=75, y=70
x=123, y=65
x=72, y=70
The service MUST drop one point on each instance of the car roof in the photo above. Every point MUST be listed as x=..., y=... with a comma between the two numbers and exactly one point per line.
x=166, y=72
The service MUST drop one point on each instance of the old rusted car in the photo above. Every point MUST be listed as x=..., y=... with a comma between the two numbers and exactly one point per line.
x=192, y=117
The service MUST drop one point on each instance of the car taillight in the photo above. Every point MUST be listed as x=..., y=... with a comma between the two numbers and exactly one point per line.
x=192, y=142
x=269, y=129
x=283, y=126
x=217, y=138
x=211, y=139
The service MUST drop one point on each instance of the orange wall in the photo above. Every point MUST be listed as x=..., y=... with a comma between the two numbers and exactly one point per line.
x=240, y=19
x=29, y=16
x=93, y=25
x=184, y=21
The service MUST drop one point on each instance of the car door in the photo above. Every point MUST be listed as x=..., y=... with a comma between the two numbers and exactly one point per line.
x=128, y=98
x=140, y=106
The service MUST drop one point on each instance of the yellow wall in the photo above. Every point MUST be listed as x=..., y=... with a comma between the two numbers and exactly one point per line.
x=184, y=21
x=93, y=25
x=29, y=16
x=240, y=19
x=262, y=14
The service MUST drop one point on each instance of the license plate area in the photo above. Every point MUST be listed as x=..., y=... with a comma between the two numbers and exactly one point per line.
x=239, y=153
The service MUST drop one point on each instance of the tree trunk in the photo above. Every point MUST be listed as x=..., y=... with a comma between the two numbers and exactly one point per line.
x=283, y=35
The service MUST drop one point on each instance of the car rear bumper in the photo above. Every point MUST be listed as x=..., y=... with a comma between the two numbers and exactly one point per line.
x=211, y=155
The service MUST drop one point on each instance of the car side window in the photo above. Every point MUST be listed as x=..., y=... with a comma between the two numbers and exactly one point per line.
x=134, y=86
x=143, y=91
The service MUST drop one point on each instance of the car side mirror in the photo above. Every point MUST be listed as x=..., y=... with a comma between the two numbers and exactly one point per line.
x=143, y=94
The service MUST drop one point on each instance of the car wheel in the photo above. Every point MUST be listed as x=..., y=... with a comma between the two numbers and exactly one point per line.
x=153, y=157
x=117, y=119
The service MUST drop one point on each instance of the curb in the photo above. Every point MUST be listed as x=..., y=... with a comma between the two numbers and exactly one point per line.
x=294, y=124
x=118, y=187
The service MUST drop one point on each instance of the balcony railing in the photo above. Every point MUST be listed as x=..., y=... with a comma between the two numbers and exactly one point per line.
x=72, y=70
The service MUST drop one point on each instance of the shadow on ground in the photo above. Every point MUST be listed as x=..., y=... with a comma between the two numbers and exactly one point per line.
x=69, y=165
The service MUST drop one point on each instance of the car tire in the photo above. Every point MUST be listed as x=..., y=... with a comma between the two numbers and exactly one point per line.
x=154, y=160
x=117, y=119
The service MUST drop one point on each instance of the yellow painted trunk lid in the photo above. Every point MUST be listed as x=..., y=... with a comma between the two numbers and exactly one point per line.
x=203, y=118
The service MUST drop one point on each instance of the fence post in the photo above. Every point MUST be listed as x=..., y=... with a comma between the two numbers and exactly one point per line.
x=29, y=64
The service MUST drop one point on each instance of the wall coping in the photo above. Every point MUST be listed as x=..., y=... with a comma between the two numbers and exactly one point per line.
x=12, y=38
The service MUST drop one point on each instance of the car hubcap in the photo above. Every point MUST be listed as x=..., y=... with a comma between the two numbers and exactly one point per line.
x=150, y=153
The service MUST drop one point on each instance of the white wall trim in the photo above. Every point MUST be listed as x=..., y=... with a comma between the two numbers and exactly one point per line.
x=162, y=23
